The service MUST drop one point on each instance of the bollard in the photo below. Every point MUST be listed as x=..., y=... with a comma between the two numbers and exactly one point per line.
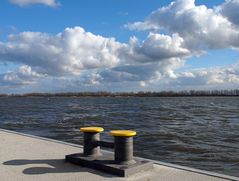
x=120, y=163
x=91, y=136
x=123, y=146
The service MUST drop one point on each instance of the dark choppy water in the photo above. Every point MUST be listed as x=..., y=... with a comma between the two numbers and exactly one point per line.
x=200, y=132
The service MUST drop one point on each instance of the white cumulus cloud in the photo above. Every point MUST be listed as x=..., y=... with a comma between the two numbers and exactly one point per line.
x=210, y=76
x=23, y=75
x=155, y=48
x=200, y=27
x=68, y=52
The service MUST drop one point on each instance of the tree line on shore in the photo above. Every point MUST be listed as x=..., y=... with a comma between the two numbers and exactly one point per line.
x=234, y=92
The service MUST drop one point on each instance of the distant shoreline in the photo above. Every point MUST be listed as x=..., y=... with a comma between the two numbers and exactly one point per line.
x=191, y=93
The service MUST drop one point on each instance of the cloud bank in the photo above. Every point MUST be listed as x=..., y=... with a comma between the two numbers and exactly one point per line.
x=77, y=60
x=75, y=50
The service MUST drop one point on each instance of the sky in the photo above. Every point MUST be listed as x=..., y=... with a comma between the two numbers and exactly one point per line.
x=118, y=46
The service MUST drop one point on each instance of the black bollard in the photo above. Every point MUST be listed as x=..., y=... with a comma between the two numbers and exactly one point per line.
x=123, y=146
x=91, y=136
x=120, y=163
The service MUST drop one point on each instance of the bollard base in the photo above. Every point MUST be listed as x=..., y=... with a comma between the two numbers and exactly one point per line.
x=107, y=164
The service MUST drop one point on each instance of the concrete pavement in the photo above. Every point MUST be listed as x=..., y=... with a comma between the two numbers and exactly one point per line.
x=25, y=158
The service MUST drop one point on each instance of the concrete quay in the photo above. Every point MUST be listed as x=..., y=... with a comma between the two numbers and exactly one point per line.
x=31, y=158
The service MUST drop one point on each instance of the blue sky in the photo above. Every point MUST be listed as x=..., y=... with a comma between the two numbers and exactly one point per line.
x=106, y=19
x=149, y=45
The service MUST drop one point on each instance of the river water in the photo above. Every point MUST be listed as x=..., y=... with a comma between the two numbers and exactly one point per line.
x=199, y=132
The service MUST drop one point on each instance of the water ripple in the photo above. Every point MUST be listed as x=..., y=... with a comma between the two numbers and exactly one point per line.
x=197, y=132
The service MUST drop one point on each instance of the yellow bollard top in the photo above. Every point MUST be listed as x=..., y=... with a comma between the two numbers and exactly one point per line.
x=91, y=129
x=123, y=133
